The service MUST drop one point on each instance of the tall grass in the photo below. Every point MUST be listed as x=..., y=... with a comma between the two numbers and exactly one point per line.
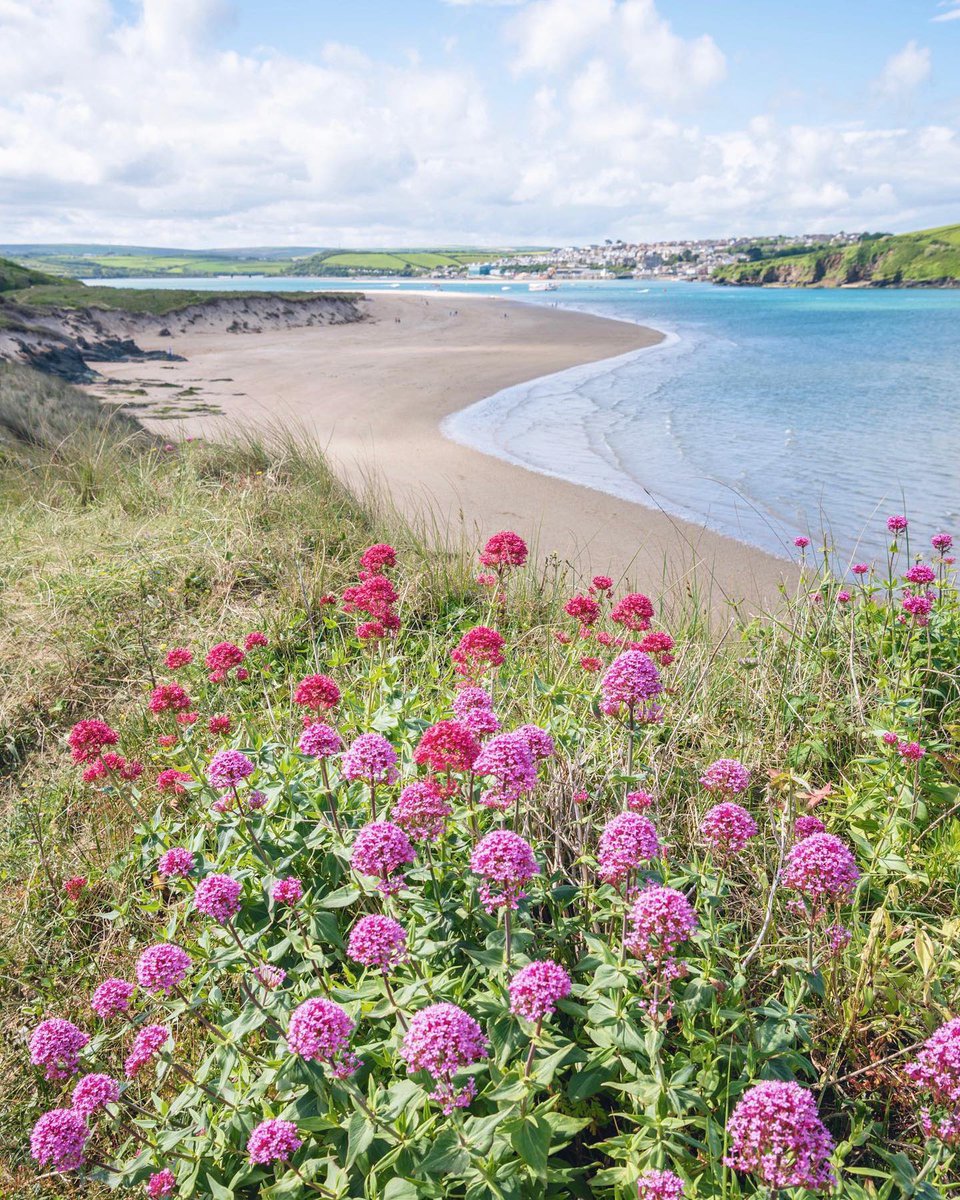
x=112, y=552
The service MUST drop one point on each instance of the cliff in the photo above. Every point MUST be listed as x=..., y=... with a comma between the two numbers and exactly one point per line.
x=929, y=258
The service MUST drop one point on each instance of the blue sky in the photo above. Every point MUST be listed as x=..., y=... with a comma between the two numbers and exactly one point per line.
x=231, y=122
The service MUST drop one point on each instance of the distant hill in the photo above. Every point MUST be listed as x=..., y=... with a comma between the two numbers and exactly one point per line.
x=928, y=258
x=14, y=276
x=405, y=263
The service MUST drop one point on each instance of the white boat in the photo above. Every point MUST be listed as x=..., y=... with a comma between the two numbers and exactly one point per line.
x=544, y=286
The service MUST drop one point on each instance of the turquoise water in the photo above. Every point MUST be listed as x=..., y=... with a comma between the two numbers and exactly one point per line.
x=766, y=413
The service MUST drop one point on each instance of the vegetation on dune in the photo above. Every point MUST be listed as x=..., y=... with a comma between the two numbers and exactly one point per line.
x=13, y=276
x=39, y=412
x=158, y=301
x=718, y=981
x=930, y=257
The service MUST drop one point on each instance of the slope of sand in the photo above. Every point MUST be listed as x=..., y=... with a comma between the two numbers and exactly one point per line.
x=373, y=395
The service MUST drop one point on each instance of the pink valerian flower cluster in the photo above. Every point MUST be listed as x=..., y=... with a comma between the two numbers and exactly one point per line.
x=823, y=870
x=218, y=896
x=659, y=1185
x=860, y=568
x=584, y=609
x=776, y=1134
x=161, y=1184
x=273, y=1141
x=920, y=573
x=93, y=1092
x=479, y=650
x=911, y=751
x=287, y=891
x=918, y=605
x=74, y=886
x=658, y=645
x=601, y=583
x=320, y=741
x=55, y=1044
x=253, y=639
x=660, y=919
x=837, y=938
x=473, y=708
x=223, y=658
x=626, y=843
x=536, y=989
x=447, y=746
x=146, y=1046
x=630, y=681
x=936, y=1073
x=506, y=863
x=228, y=768
x=377, y=559
x=270, y=976
x=509, y=761
x=320, y=1030
x=372, y=759
x=177, y=863
x=177, y=657
x=111, y=998
x=639, y=801
x=374, y=595
x=381, y=849
x=421, y=811
x=87, y=740
x=896, y=524
x=113, y=764
x=633, y=612
x=59, y=1140
x=801, y=542
x=443, y=1039
x=162, y=968
x=378, y=941
x=172, y=780
x=726, y=828
x=805, y=826
x=504, y=550
x=220, y=723
x=941, y=542
x=317, y=693
x=169, y=697
x=540, y=742
x=726, y=776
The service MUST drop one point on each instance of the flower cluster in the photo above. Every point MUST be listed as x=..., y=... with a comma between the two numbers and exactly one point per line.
x=176, y=863
x=473, y=707
x=775, y=1133
x=726, y=828
x=822, y=869
x=56, y=1044
x=378, y=941
x=59, y=1139
x=536, y=988
x=936, y=1072
x=441, y=1040
x=506, y=863
x=659, y=1185
x=509, y=760
x=372, y=759
x=273, y=1141
x=93, y=1092
x=380, y=849
x=421, y=811
x=480, y=649
x=447, y=746
x=223, y=658
x=317, y=693
x=228, y=768
x=630, y=681
x=218, y=896
x=633, y=612
x=626, y=843
x=320, y=741
x=726, y=776
x=320, y=1030
x=148, y=1043
x=162, y=967
x=504, y=549
x=111, y=998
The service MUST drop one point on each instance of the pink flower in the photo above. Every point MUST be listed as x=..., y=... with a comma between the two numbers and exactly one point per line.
x=441, y=1040
x=146, y=1045
x=639, y=801
x=633, y=612
x=920, y=573
x=179, y=657
x=93, y=1092
x=602, y=583
x=591, y=663
x=918, y=606
x=221, y=660
x=509, y=760
x=775, y=1132
x=162, y=967
x=504, y=549
x=659, y=1185
x=177, y=863
x=421, y=812
x=256, y=638
x=447, y=746
x=478, y=650
x=911, y=751
x=838, y=938
x=583, y=609
x=540, y=742
x=896, y=524
x=506, y=863
x=372, y=759
x=844, y=597
x=111, y=998
x=55, y=1044
x=661, y=918
x=273, y=1141
x=320, y=741
x=59, y=1138
x=860, y=568
x=169, y=697
x=801, y=542
x=627, y=841
x=88, y=738
x=536, y=988
x=317, y=692
x=381, y=849
x=218, y=896
x=161, y=1184
x=941, y=542
x=228, y=768
x=890, y=739
x=728, y=776
x=726, y=828
x=172, y=780
x=378, y=941
x=270, y=976
x=487, y=579
x=380, y=557
x=320, y=1030
x=287, y=891
x=936, y=1072
x=804, y=826
x=74, y=886
x=822, y=869
x=468, y=700
x=220, y=723
x=630, y=680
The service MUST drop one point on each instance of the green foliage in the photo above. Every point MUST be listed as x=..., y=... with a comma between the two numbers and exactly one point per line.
x=40, y=411
x=159, y=301
x=110, y=560
x=13, y=276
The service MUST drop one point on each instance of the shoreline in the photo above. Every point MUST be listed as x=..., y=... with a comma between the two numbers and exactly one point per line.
x=375, y=395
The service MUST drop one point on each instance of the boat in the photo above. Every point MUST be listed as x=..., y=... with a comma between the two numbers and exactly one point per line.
x=544, y=286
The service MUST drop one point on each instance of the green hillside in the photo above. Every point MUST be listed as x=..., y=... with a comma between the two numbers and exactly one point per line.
x=14, y=276
x=928, y=258
x=389, y=262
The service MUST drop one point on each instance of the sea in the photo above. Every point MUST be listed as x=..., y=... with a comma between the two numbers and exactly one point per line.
x=764, y=414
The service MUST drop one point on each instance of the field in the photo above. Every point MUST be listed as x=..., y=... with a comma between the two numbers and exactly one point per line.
x=643, y=956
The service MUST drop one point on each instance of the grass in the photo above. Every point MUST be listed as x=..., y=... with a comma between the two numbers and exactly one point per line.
x=112, y=552
x=40, y=413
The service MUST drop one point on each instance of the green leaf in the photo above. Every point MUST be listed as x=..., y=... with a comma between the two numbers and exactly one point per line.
x=360, y=1133
x=531, y=1140
x=400, y=1189
x=447, y=1156
x=218, y=1191
x=341, y=898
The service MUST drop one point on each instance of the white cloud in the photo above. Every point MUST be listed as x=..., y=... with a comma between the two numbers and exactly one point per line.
x=952, y=12
x=904, y=71
x=107, y=134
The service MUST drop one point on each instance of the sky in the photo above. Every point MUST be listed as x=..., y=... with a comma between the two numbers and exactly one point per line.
x=217, y=123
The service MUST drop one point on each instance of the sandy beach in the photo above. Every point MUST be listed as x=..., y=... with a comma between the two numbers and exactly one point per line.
x=373, y=394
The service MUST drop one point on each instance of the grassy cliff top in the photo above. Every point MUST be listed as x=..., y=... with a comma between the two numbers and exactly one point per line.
x=927, y=258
